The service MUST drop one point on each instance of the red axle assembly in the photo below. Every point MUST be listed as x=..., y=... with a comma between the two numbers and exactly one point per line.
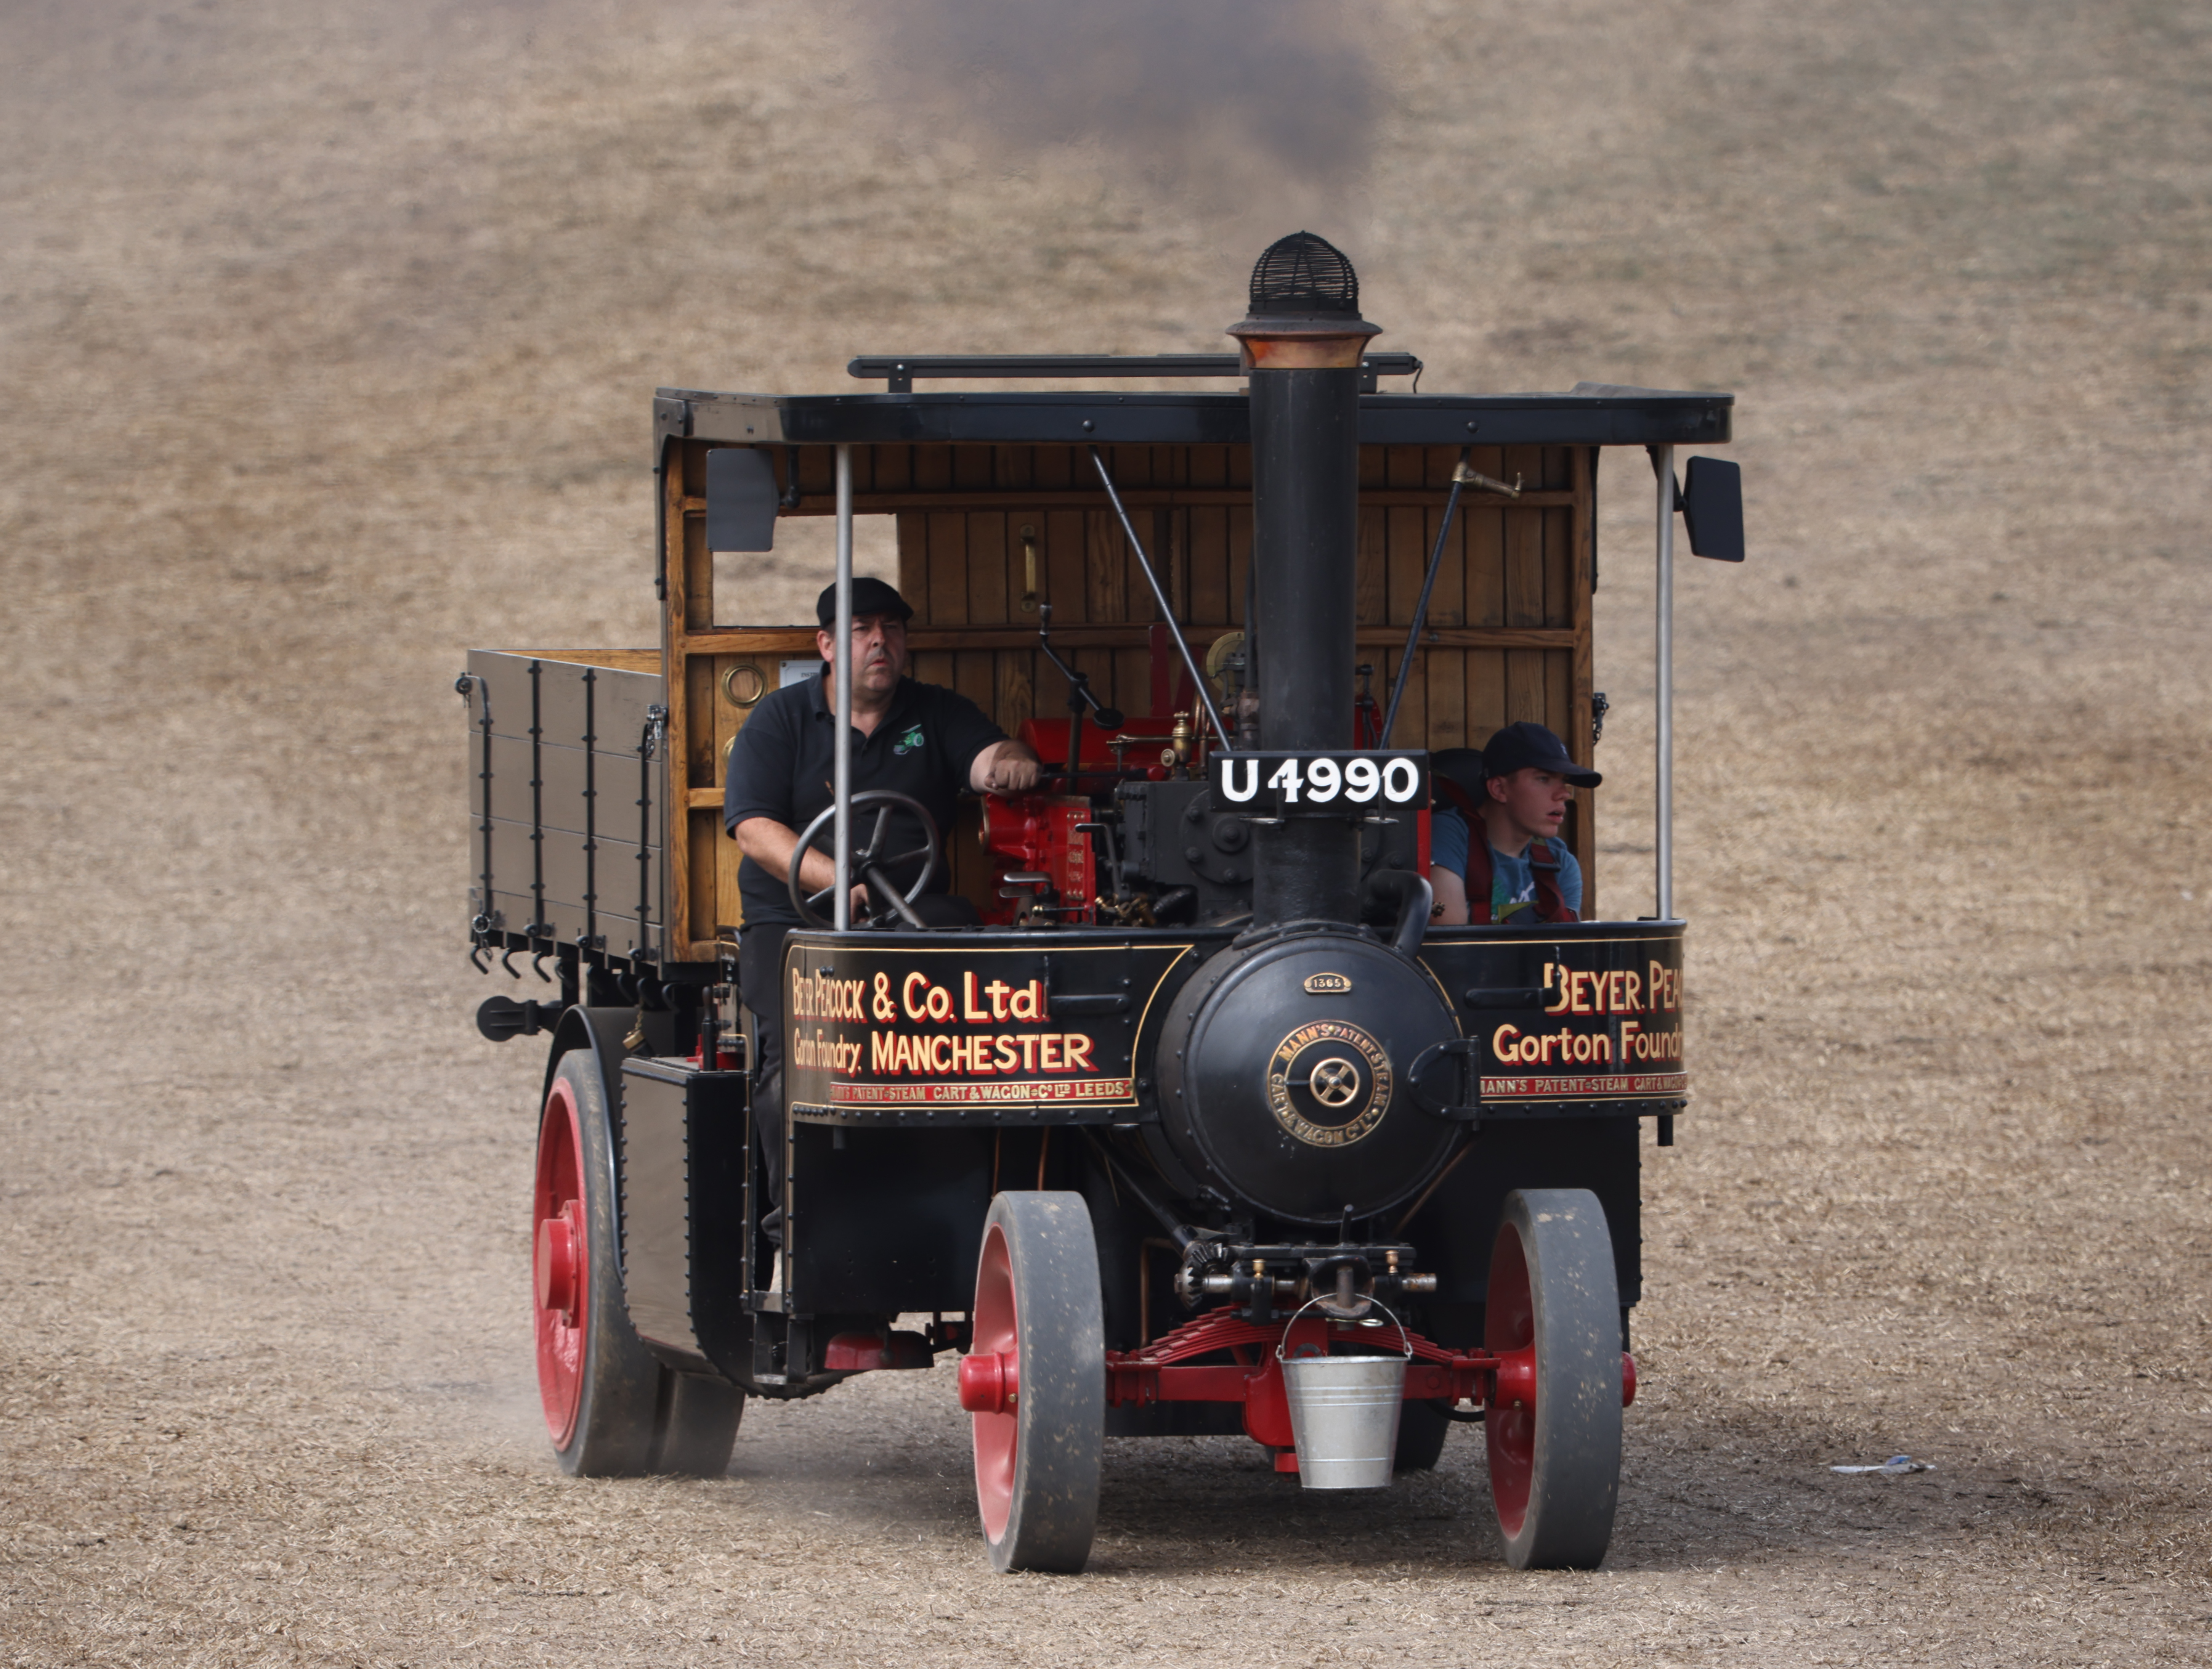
x=1163, y=1372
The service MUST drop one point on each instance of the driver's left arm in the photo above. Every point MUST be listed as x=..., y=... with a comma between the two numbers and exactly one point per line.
x=1004, y=767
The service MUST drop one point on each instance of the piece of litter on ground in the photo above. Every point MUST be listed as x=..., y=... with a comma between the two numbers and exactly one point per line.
x=1895, y=1466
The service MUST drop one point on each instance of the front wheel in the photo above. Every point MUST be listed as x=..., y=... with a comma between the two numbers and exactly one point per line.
x=1035, y=1380
x=1552, y=1425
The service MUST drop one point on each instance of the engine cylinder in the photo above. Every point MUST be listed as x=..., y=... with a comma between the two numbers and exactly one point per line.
x=1283, y=1074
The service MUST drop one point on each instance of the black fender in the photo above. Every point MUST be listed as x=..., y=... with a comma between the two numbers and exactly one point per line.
x=602, y=1031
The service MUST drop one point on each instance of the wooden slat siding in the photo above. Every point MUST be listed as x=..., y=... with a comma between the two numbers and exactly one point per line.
x=1412, y=726
x=949, y=554
x=1406, y=555
x=698, y=705
x=1133, y=680
x=1559, y=692
x=1106, y=563
x=1240, y=560
x=894, y=466
x=972, y=467
x=1583, y=536
x=933, y=468
x=698, y=828
x=1014, y=467
x=1059, y=560
x=1209, y=566
x=913, y=561
x=1448, y=668
x=1558, y=567
x=1209, y=465
x=1447, y=605
x=975, y=677
x=935, y=666
x=1373, y=468
x=1372, y=583
x=1055, y=469
x=993, y=591
x=1171, y=558
x=1485, y=695
x=1485, y=599
x=817, y=467
x=1524, y=567
x=1015, y=697
x=1525, y=685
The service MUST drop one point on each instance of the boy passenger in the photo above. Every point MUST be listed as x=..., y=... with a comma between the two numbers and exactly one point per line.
x=1494, y=847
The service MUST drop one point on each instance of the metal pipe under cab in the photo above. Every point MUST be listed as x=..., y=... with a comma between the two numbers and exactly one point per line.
x=1662, y=838
x=842, y=660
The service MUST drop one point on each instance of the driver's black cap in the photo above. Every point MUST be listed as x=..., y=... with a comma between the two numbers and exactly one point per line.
x=869, y=596
x=1525, y=747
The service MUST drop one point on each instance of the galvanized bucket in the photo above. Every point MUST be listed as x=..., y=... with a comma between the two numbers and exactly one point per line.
x=1344, y=1414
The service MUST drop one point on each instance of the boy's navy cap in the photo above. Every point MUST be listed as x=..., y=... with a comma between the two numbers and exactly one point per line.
x=1525, y=747
x=869, y=596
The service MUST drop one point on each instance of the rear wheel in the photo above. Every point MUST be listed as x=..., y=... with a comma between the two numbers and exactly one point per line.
x=1553, y=1425
x=612, y=1409
x=1035, y=1380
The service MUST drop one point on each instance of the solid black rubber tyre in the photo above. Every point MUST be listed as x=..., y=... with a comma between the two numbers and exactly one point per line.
x=1572, y=1311
x=1060, y=1412
x=636, y=1416
x=618, y=1417
x=1421, y=1433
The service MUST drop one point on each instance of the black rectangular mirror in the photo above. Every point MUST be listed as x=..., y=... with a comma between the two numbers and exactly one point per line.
x=740, y=500
x=1712, y=507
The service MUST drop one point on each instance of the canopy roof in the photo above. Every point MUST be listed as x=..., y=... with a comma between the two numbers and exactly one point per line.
x=1589, y=414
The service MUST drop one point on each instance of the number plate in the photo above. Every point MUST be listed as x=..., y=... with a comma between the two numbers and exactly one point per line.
x=1317, y=784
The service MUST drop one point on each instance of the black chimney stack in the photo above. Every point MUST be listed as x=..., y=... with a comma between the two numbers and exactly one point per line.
x=1302, y=346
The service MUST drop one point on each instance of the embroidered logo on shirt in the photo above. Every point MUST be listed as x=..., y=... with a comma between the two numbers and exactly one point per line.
x=907, y=743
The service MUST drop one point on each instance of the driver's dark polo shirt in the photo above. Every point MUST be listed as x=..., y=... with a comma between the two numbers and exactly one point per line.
x=783, y=765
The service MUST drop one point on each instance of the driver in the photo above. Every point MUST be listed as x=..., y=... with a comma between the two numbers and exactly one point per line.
x=918, y=739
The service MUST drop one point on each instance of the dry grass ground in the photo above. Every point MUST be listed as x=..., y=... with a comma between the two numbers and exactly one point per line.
x=326, y=339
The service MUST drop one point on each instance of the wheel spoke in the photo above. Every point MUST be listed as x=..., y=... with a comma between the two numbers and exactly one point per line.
x=876, y=838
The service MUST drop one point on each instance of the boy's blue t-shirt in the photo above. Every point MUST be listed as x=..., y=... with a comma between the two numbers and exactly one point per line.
x=1512, y=880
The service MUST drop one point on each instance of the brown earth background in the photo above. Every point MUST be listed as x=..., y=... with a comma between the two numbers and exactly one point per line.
x=327, y=340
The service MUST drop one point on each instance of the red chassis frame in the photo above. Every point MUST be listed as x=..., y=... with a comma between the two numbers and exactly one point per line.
x=1162, y=1372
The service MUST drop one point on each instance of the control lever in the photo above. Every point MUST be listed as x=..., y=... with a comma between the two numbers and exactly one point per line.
x=1080, y=700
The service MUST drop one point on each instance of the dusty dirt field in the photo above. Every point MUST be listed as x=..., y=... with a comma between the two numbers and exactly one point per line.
x=326, y=338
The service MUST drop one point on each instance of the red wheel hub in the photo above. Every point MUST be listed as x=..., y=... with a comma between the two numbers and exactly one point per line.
x=560, y=1263
x=991, y=1375
x=553, y=1264
x=989, y=1384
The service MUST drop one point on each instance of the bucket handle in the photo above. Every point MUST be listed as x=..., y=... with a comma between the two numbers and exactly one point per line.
x=1405, y=1339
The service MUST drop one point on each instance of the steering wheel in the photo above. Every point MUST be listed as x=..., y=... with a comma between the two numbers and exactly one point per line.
x=870, y=863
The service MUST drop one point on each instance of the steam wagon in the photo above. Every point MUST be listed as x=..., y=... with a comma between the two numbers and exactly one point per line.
x=1196, y=1122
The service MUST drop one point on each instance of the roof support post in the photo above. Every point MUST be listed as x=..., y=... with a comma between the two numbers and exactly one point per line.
x=842, y=660
x=1662, y=835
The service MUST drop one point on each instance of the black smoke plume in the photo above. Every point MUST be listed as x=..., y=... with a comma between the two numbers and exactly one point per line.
x=1209, y=94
